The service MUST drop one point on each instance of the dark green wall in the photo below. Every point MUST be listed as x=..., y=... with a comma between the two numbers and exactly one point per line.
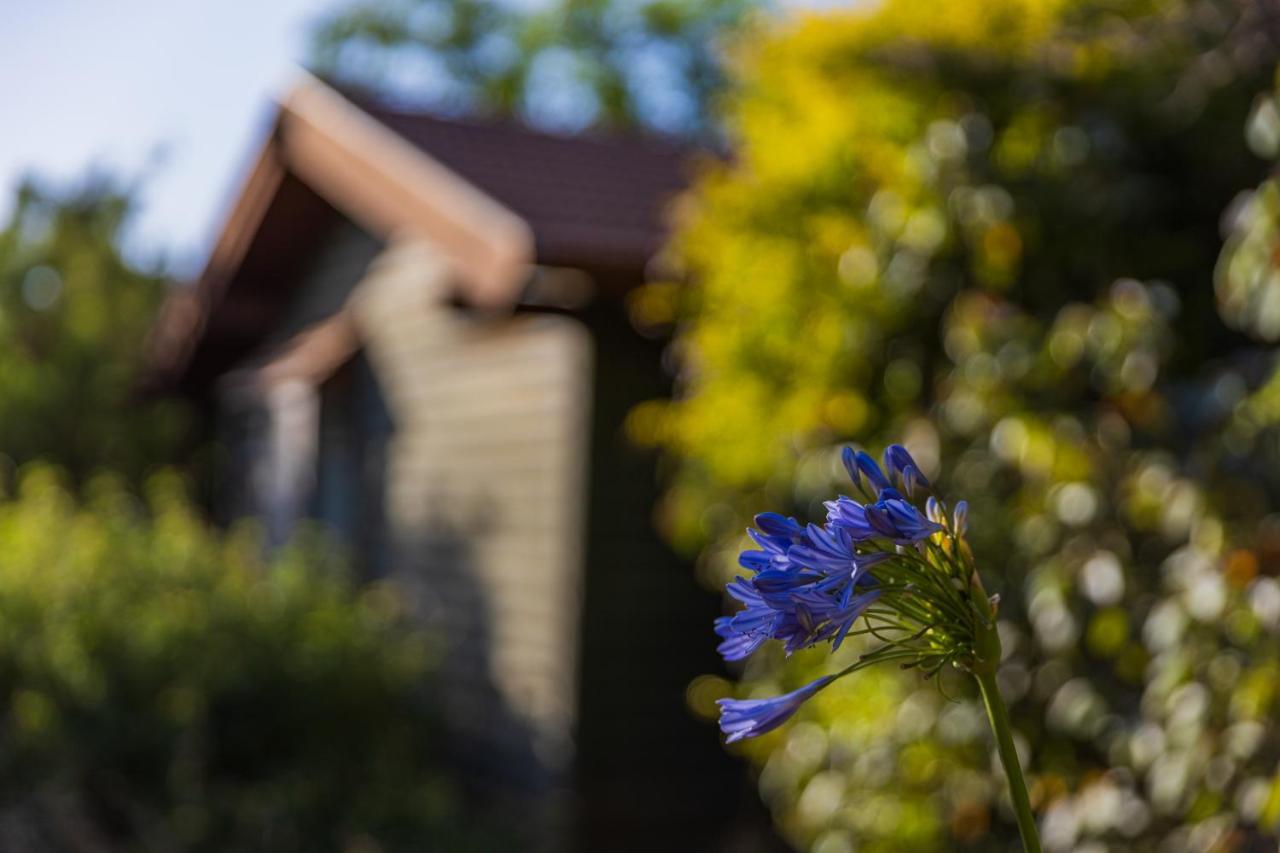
x=650, y=776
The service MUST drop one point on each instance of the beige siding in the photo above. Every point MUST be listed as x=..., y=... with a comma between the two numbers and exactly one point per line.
x=484, y=492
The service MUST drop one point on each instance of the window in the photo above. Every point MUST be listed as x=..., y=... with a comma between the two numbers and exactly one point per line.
x=355, y=430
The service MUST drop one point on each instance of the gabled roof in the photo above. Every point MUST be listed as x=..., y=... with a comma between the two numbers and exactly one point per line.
x=586, y=199
x=496, y=198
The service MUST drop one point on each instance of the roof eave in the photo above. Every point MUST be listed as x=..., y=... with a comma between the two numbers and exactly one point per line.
x=382, y=183
x=388, y=186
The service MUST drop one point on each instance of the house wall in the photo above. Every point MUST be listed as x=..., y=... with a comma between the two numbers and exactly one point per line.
x=648, y=770
x=484, y=500
x=482, y=427
x=563, y=687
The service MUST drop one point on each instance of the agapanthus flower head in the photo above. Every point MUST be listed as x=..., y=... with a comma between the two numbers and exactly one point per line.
x=893, y=562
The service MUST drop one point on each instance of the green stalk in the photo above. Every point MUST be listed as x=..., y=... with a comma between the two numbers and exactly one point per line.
x=1003, y=730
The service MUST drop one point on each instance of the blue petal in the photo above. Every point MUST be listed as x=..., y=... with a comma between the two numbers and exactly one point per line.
x=896, y=460
x=744, y=718
x=851, y=465
x=851, y=516
x=853, y=609
x=869, y=469
x=778, y=525
x=880, y=522
x=774, y=581
x=740, y=646
x=913, y=481
x=813, y=559
x=742, y=590
x=756, y=561
x=774, y=544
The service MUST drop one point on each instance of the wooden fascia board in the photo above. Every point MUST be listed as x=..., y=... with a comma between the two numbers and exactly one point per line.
x=392, y=188
x=182, y=320
x=244, y=221
x=313, y=354
x=376, y=178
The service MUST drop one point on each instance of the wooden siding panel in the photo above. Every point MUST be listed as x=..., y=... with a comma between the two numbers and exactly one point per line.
x=485, y=486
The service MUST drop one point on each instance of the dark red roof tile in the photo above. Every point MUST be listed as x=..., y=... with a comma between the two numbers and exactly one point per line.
x=589, y=199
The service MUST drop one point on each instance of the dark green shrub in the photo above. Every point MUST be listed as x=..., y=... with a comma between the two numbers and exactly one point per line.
x=166, y=687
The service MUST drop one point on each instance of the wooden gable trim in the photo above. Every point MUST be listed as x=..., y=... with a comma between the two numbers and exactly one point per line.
x=246, y=217
x=376, y=178
x=315, y=353
x=392, y=188
x=184, y=316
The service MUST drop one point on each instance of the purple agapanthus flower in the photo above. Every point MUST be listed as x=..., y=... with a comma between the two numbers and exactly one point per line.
x=898, y=562
x=743, y=718
x=811, y=583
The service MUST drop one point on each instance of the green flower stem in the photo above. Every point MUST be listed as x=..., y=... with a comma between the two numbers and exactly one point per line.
x=1003, y=730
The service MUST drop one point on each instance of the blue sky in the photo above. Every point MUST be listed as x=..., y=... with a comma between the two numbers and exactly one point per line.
x=176, y=91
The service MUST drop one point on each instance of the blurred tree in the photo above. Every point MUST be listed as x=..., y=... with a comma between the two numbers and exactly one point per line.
x=991, y=230
x=167, y=688
x=74, y=320
x=562, y=64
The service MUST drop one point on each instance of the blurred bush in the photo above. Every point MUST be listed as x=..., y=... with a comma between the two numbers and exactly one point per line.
x=993, y=230
x=165, y=687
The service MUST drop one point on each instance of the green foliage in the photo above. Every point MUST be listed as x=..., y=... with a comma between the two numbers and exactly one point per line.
x=566, y=64
x=165, y=687
x=74, y=321
x=1248, y=276
x=991, y=230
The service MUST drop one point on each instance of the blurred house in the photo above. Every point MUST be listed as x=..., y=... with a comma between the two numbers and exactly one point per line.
x=412, y=330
